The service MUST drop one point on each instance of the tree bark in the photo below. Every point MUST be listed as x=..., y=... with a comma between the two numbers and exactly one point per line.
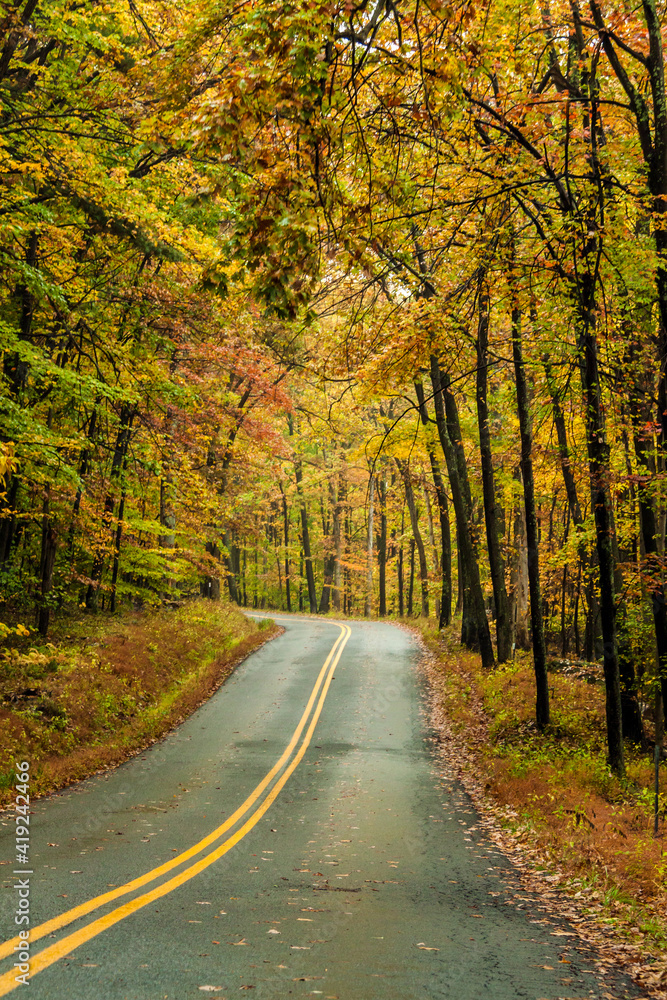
x=288, y=595
x=449, y=432
x=369, y=551
x=443, y=512
x=338, y=542
x=519, y=575
x=416, y=534
x=47, y=562
x=399, y=569
x=123, y=437
x=305, y=542
x=210, y=586
x=525, y=429
x=496, y=561
x=599, y=471
x=382, y=546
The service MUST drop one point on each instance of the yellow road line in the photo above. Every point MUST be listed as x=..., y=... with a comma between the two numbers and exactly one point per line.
x=83, y=909
x=68, y=944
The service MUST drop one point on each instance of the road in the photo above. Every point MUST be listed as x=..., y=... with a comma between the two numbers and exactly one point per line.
x=292, y=838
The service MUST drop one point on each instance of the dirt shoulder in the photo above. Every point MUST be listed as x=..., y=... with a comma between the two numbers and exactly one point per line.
x=580, y=839
x=107, y=687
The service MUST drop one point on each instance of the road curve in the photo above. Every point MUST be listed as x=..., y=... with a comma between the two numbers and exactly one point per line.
x=292, y=838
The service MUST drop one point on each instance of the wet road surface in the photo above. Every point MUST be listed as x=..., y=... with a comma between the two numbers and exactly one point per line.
x=292, y=838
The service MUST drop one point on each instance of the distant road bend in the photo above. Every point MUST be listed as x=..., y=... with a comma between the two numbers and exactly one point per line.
x=293, y=838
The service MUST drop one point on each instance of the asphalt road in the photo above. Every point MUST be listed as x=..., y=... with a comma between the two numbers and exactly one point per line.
x=292, y=838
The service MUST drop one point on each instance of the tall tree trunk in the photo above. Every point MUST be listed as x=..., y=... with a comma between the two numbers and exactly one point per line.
x=84, y=468
x=519, y=574
x=443, y=512
x=228, y=557
x=210, y=585
x=116, y=551
x=330, y=550
x=368, y=610
x=288, y=595
x=8, y=521
x=305, y=542
x=525, y=429
x=496, y=561
x=434, y=548
x=128, y=412
x=449, y=431
x=382, y=546
x=599, y=471
x=15, y=370
x=399, y=569
x=416, y=534
x=47, y=562
x=338, y=542
x=327, y=583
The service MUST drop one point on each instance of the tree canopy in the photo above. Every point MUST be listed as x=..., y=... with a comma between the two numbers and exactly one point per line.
x=350, y=307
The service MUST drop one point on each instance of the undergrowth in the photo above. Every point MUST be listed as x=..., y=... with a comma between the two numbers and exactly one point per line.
x=108, y=685
x=554, y=789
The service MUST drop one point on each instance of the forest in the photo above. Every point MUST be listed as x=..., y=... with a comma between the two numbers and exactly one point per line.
x=342, y=307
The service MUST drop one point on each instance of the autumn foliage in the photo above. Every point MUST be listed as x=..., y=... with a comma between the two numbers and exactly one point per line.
x=348, y=307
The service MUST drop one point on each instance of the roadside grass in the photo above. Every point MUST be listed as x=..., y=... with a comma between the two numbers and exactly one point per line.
x=107, y=686
x=554, y=792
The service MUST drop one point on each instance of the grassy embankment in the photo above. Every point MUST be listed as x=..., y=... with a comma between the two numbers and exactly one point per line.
x=105, y=687
x=554, y=792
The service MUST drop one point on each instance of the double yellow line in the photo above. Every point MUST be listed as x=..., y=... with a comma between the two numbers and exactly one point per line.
x=43, y=959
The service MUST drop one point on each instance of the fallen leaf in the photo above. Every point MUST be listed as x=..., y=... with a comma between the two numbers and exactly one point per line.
x=211, y=989
x=242, y=941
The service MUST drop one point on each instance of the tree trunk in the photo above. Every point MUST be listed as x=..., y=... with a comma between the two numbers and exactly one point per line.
x=330, y=551
x=399, y=569
x=496, y=561
x=525, y=428
x=123, y=437
x=369, y=551
x=434, y=548
x=449, y=432
x=288, y=595
x=116, y=551
x=416, y=534
x=519, y=575
x=305, y=542
x=47, y=562
x=338, y=543
x=599, y=471
x=229, y=566
x=210, y=586
x=443, y=512
x=382, y=546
